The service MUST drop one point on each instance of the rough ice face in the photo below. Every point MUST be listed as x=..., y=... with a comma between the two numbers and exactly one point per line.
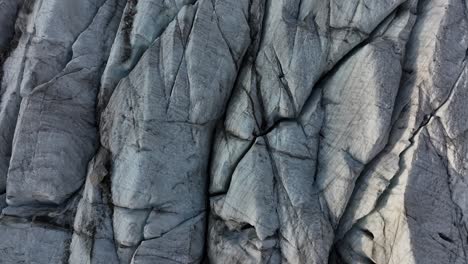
x=221, y=131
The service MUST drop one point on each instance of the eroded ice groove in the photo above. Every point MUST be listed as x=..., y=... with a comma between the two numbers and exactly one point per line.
x=221, y=131
x=142, y=23
x=8, y=14
x=93, y=236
